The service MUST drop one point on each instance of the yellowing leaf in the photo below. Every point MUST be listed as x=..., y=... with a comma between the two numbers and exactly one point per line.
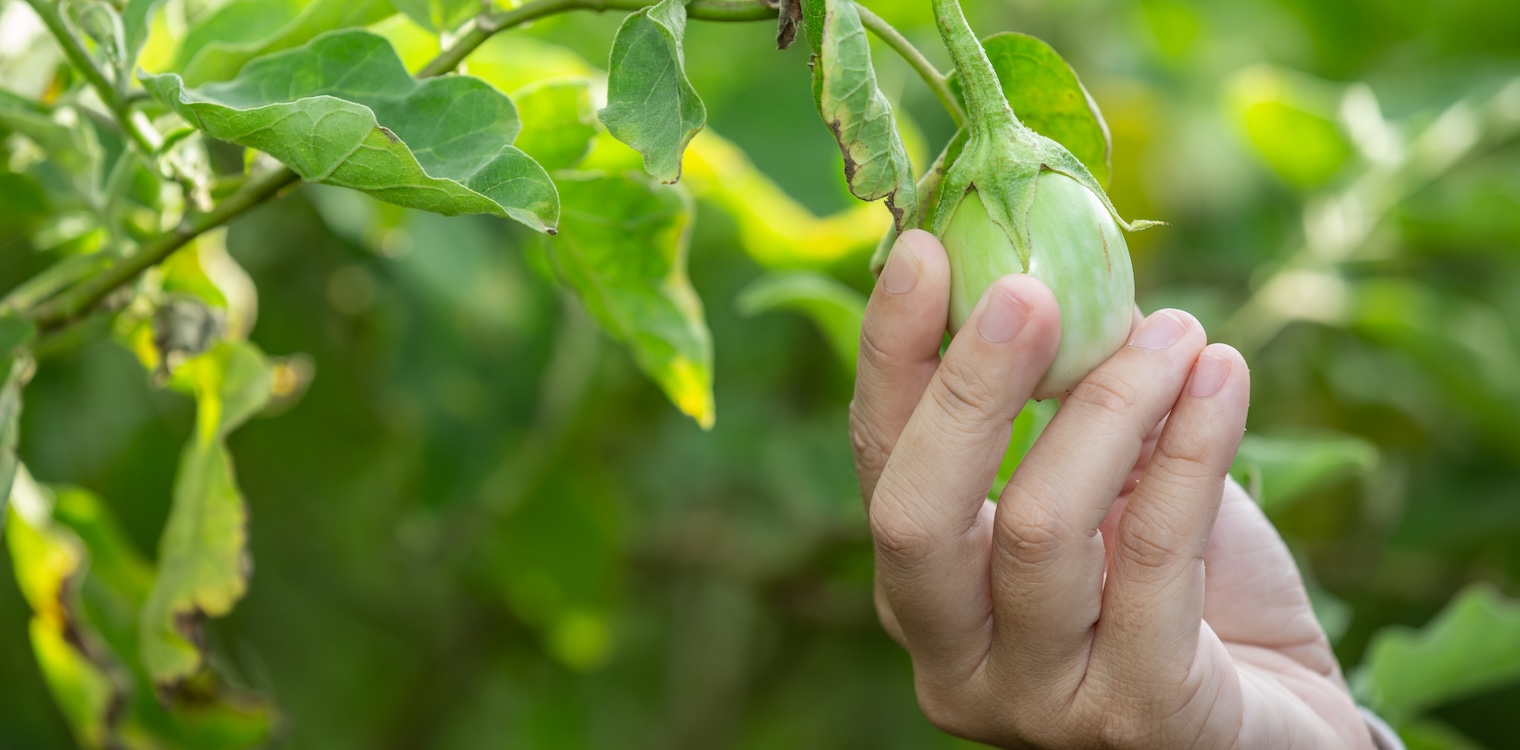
x=622, y=249
x=202, y=555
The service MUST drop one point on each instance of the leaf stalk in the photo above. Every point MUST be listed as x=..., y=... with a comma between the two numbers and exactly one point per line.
x=140, y=132
x=936, y=81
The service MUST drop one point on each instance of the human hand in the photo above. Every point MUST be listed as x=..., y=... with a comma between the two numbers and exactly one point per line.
x=1123, y=592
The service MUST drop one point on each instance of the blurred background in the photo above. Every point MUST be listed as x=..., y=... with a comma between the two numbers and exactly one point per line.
x=481, y=526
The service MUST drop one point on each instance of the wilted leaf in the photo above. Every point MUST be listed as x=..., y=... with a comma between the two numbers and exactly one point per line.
x=844, y=87
x=1046, y=95
x=203, y=558
x=240, y=32
x=85, y=584
x=438, y=15
x=558, y=121
x=835, y=308
x=622, y=249
x=650, y=104
x=1287, y=468
x=1471, y=646
x=773, y=227
x=343, y=111
x=788, y=21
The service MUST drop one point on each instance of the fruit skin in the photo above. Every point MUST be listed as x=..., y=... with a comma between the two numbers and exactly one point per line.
x=1076, y=248
x=1013, y=201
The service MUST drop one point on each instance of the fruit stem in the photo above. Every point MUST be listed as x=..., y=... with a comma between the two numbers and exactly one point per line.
x=985, y=102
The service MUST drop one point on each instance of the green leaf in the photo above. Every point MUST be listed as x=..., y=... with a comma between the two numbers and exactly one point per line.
x=622, y=249
x=240, y=32
x=202, y=555
x=1429, y=734
x=237, y=24
x=1289, y=122
x=558, y=121
x=1046, y=95
x=438, y=15
x=812, y=14
x=136, y=20
x=650, y=104
x=1470, y=647
x=85, y=583
x=1289, y=467
x=844, y=88
x=835, y=308
x=343, y=111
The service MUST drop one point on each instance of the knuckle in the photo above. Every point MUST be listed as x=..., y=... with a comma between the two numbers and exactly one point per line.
x=1106, y=393
x=1034, y=535
x=1148, y=542
x=1187, y=463
x=961, y=390
x=897, y=535
x=871, y=447
x=873, y=351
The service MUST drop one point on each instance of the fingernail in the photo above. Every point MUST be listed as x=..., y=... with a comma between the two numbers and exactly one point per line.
x=901, y=272
x=1004, y=316
x=1209, y=374
x=1159, y=331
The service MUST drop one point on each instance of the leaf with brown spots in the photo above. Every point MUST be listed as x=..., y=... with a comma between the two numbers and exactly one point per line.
x=85, y=583
x=844, y=88
x=203, y=557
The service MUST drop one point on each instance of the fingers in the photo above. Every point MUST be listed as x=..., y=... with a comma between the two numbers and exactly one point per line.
x=1048, y=557
x=1153, y=599
x=929, y=515
x=899, y=349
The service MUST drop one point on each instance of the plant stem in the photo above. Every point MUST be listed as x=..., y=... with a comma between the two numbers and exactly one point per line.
x=80, y=58
x=979, y=81
x=79, y=299
x=925, y=69
x=52, y=280
x=488, y=24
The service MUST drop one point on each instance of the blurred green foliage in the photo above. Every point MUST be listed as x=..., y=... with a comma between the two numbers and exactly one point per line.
x=481, y=526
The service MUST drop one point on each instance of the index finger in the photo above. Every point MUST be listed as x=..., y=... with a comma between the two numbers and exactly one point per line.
x=899, y=349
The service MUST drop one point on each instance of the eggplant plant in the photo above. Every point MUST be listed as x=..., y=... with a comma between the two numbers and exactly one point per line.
x=136, y=130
